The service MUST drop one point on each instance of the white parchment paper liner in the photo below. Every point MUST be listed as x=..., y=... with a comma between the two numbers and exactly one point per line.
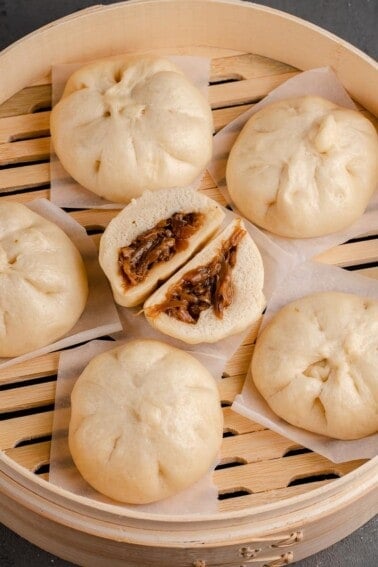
x=201, y=497
x=100, y=316
x=309, y=278
x=321, y=82
x=64, y=190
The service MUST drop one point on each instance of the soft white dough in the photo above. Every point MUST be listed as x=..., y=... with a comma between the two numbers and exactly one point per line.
x=43, y=282
x=146, y=422
x=131, y=123
x=316, y=364
x=304, y=167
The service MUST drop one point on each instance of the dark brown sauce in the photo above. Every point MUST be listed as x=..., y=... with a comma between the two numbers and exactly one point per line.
x=156, y=245
x=204, y=287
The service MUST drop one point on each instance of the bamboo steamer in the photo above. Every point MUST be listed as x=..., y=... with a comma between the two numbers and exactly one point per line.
x=281, y=503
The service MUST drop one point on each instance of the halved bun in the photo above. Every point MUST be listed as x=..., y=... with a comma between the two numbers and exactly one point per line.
x=142, y=215
x=247, y=278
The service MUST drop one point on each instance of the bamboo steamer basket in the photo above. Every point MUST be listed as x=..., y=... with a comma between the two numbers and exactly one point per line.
x=278, y=502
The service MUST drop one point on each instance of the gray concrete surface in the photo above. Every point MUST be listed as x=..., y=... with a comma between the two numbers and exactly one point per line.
x=355, y=21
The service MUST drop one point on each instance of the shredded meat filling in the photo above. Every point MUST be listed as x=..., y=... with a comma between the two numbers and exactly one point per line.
x=204, y=287
x=157, y=245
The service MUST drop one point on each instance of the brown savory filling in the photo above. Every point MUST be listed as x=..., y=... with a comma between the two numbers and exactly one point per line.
x=156, y=245
x=204, y=287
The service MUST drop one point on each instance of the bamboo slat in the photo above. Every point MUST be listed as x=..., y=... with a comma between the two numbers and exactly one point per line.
x=46, y=365
x=27, y=397
x=245, y=91
x=23, y=126
x=351, y=254
x=237, y=424
x=278, y=473
x=262, y=498
x=31, y=456
x=37, y=149
x=223, y=116
x=25, y=428
x=256, y=446
x=30, y=99
x=24, y=177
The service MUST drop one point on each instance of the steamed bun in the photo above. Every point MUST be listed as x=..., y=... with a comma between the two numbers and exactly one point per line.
x=131, y=123
x=146, y=422
x=218, y=293
x=316, y=361
x=136, y=230
x=304, y=167
x=43, y=283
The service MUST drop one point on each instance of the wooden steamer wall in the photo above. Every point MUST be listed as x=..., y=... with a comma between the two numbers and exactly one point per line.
x=278, y=502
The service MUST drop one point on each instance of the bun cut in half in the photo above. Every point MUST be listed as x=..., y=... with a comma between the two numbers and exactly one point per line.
x=152, y=237
x=217, y=294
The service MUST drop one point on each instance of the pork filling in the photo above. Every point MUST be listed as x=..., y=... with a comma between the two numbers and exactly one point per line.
x=156, y=245
x=205, y=287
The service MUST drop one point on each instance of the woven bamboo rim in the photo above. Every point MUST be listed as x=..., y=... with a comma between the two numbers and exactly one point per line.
x=242, y=27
